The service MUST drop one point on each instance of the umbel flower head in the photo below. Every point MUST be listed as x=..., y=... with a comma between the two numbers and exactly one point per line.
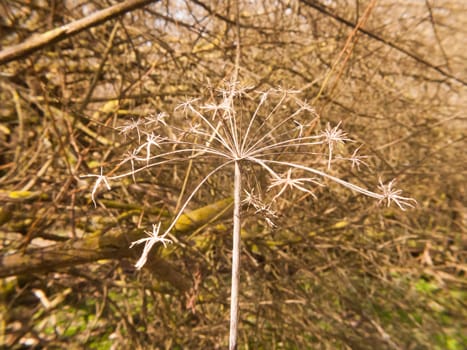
x=268, y=132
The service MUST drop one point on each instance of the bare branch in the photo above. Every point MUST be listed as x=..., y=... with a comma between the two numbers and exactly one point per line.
x=55, y=35
x=372, y=35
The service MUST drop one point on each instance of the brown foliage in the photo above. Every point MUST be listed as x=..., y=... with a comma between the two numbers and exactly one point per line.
x=338, y=272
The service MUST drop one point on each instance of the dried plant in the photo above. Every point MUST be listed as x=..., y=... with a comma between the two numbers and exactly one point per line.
x=245, y=132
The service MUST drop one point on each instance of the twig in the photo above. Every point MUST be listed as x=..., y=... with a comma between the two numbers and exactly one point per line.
x=58, y=34
x=379, y=38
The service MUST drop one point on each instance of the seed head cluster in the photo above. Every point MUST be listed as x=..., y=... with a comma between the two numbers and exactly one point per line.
x=269, y=132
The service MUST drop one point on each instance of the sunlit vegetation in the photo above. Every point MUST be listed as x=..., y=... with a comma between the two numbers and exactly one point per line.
x=380, y=90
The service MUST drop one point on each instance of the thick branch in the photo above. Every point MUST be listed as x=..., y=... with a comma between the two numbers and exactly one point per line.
x=40, y=41
x=113, y=245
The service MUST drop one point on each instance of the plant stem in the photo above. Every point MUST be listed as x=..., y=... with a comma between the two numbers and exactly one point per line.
x=235, y=259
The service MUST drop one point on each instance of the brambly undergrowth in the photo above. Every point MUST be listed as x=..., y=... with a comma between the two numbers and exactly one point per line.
x=251, y=135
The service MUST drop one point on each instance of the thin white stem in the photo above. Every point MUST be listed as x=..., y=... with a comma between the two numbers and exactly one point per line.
x=235, y=259
x=215, y=130
x=165, y=161
x=271, y=131
x=265, y=166
x=263, y=123
x=233, y=126
x=187, y=201
x=250, y=124
x=322, y=174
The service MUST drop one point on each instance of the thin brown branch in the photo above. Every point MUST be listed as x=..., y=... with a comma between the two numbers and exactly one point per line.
x=376, y=37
